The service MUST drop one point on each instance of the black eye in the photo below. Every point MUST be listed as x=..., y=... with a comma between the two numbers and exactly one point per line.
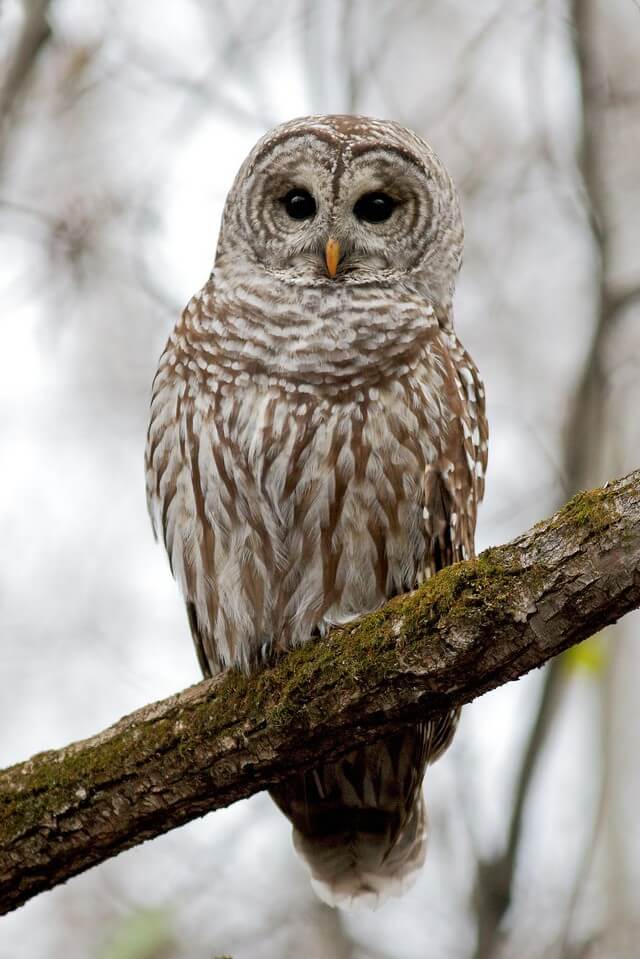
x=299, y=204
x=374, y=207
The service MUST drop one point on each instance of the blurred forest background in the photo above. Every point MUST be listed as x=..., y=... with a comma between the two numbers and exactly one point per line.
x=122, y=125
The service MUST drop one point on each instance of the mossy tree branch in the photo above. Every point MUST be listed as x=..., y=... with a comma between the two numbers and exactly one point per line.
x=474, y=626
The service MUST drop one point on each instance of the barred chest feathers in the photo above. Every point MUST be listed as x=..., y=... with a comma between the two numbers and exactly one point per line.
x=298, y=499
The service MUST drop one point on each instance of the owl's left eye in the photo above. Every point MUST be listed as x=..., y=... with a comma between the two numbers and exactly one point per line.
x=299, y=204
x=374, y=207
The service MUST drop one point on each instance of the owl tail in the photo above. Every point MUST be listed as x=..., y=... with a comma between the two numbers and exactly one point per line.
x=360, y=823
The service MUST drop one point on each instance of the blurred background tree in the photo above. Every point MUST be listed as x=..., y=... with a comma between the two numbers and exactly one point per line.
x=121, y=127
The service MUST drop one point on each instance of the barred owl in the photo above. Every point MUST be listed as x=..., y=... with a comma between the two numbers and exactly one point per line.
x=318, y=443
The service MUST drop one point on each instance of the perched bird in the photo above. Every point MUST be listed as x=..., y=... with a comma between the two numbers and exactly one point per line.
x=318, y=444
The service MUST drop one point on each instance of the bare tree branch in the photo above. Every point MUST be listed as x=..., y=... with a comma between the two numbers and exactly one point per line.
x=494, y=883
x=472, y=627
x=585, y=424
x=625, y=299
x=33, y=36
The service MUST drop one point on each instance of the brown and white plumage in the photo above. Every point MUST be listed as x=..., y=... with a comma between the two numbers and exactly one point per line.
x=318, y=444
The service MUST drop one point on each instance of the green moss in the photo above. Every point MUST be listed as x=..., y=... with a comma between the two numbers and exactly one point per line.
x=56, y=781
x=293, y=688
x=467, y=593
x=589, y=511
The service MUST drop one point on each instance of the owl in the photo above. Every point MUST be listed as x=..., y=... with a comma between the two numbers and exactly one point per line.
x=317, y=444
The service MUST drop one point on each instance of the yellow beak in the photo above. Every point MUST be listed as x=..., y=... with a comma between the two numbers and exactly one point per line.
x=332, y=256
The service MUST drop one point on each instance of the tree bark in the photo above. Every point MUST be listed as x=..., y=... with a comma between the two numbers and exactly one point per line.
x=471, y=628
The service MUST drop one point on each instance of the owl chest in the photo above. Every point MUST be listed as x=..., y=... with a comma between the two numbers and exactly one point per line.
x=312, y=468
x=299, y=513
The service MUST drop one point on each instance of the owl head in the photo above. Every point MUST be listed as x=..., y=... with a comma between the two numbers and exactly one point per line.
x=344, y=200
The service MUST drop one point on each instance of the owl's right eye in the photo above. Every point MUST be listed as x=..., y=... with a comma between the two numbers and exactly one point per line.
x=299, y=204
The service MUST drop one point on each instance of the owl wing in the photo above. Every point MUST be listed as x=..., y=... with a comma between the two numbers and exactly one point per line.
x=454, y=484
x=453, y=488
x=175, y=497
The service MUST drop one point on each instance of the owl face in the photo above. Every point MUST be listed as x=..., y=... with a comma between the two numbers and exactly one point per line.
x=344, y=200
